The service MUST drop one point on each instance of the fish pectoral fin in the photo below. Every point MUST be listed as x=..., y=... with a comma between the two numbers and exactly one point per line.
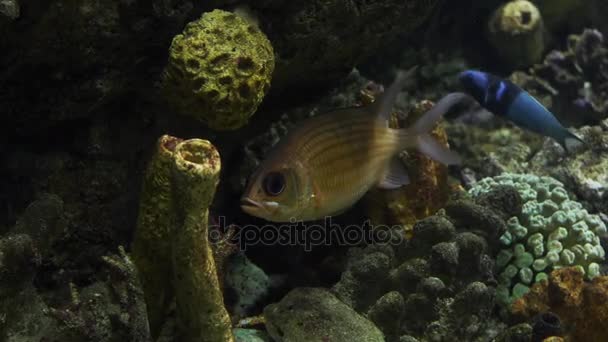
x=395, y=177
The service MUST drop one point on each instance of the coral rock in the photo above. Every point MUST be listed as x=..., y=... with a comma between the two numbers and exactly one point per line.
x=579, y=304
x=314, y=314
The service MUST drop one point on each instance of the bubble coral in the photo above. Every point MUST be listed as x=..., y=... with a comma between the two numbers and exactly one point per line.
x=219, y=70
x=552, y=231
x=581, y=305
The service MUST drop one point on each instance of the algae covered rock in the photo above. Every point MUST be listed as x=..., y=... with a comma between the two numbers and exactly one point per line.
x=551, y=231
x=219, y=70
x=571, y=81
x=438, y=286
x=314, y=314
x=562, y=14
x=320, y=41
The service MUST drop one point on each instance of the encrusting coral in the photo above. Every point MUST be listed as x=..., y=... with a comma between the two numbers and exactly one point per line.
x=435, y=286
x=171, y=247
x=552, y=231
x=581, y=305
x=219, y=70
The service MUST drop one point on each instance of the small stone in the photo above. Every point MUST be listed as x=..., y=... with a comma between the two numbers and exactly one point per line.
x=9, y=9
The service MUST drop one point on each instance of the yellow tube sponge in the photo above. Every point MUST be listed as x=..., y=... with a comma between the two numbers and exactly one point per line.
x=151, y=248
x=516, y=31
x=200, y=305
x=219, y=70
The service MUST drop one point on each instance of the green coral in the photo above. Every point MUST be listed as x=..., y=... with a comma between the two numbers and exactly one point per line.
x=551, y=231
x=219, y=70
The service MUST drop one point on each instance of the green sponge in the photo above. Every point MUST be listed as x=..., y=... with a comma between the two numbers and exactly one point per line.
x=219, y=70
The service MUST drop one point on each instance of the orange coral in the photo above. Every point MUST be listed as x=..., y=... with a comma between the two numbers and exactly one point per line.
x=582, y=306
x=429, y=188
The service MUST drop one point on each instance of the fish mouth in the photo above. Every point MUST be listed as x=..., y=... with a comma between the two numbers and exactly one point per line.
x=247, y=204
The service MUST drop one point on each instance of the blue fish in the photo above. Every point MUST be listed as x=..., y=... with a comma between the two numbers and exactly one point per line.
x=504, y=98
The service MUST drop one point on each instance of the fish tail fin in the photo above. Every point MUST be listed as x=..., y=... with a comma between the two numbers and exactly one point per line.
x=570, y=142
x=432, y=148
x=418, y=135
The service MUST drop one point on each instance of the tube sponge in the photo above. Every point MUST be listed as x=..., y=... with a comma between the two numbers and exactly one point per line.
x=515, y=30
x=151, y=248
x=200, y=305
x=551, y=232
x=171, y=247
x=219, y=70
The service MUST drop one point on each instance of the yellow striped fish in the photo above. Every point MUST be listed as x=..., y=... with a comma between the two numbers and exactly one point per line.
x=329, y=162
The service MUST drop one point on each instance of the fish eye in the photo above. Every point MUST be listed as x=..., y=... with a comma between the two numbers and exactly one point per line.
x=273, y=183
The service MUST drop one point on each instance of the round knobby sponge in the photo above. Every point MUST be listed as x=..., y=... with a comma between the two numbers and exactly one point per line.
x=219, y=70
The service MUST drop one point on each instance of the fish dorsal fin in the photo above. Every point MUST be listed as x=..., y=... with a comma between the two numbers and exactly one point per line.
x=383, y=106
x=395, y=177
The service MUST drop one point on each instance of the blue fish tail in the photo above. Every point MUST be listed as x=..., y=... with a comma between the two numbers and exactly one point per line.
x=569, y=141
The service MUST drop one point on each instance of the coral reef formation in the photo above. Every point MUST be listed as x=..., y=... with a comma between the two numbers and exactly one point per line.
x=320, y=41
x=428, y=190
x=585, y=172
x=116, y=308
x=219, y=69
x=112, y=309
x=572, y=81
x=515, y=151
x=177, y=192
x=581, y=305
x=315, y=314
x=552, y=231
x=515, y=30
x=437, y=285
